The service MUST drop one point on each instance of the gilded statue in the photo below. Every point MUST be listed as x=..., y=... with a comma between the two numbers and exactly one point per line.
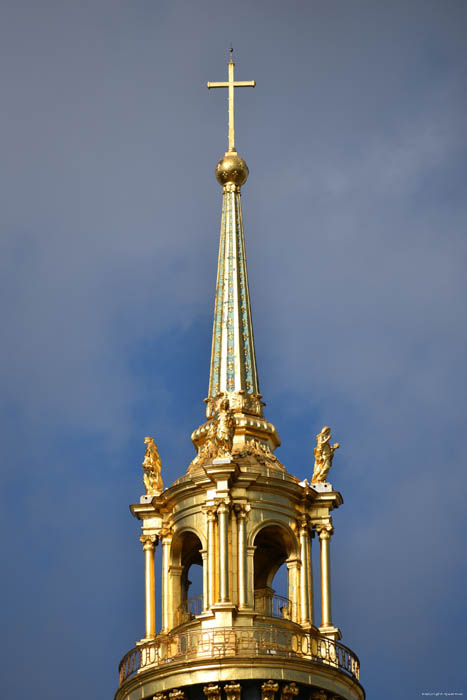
x=225, y=428
x=152, y=468
x=324, y=454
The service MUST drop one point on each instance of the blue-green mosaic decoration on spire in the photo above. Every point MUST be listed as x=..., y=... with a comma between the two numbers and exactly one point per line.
x=233, y=362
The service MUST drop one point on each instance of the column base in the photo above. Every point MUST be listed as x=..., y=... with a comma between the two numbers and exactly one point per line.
x=247, y=614
x=331, y=632
x=224, y=614
x=145, y=640
x=309, y=627
x=224, y=606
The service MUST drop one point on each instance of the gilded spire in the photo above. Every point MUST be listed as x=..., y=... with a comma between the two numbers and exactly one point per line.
x=233, y=362
x=233, y=396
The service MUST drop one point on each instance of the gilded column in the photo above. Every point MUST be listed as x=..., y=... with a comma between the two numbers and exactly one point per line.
x=242, y=557
x=311, y=585
x=149, y=543
x=294, y=569
x=204, y=556
x=324, y=533
x=250, y=575
x=223, y=560
x=304, y=570
x=166, y=601
x=211, y=573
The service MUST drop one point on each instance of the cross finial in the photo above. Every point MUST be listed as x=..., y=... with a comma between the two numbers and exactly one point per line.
x=231, y=84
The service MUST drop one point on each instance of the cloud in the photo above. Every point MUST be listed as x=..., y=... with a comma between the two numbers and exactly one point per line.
x=355, y=230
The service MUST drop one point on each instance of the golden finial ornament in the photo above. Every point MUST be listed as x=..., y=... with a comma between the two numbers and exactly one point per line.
x=152, y=468
x=231, y=168
x=324, y=454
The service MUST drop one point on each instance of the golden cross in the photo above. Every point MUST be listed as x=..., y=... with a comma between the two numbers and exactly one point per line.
x=231, y=84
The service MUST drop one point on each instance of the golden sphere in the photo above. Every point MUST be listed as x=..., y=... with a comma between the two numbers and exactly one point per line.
x=231, y=168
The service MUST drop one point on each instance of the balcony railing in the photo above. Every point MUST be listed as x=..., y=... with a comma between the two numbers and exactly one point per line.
x=189, y=609
x=273, y=605
x=225, y=642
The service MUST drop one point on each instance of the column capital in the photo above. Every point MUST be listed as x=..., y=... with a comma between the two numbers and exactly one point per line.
x=303, y=523
x=223, y=506
x=166, y=533
x=288, y=691
x=324, y=531
x=242, y=510
x=233, y=690
x=268, y=690
x=212, y=691
x=177, y=694
x=211, y=512
x=149, y=542
x=319, y=695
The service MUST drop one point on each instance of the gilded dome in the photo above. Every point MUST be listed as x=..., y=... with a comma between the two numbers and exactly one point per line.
x=231, y=168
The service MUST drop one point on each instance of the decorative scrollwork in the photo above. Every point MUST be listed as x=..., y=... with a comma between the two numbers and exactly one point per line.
x=220, y=434
x=260, y=450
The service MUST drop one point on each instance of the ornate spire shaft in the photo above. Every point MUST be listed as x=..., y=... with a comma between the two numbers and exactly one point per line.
x=233, y=362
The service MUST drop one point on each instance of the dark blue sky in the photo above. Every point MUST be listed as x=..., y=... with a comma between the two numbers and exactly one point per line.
x=355, y=223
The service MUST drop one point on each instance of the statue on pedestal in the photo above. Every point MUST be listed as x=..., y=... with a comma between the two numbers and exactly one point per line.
x=324, y=454
x=152, y=468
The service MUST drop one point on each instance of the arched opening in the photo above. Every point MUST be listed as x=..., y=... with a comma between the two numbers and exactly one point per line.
x=274, y=546
x=189, y=567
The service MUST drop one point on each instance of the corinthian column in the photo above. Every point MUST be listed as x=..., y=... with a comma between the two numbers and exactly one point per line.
x=305, y=616
x=324, y=533
x=149, y=543
x=166, y=597
x=223, y=559
x=242, y=557
x=211, y=573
